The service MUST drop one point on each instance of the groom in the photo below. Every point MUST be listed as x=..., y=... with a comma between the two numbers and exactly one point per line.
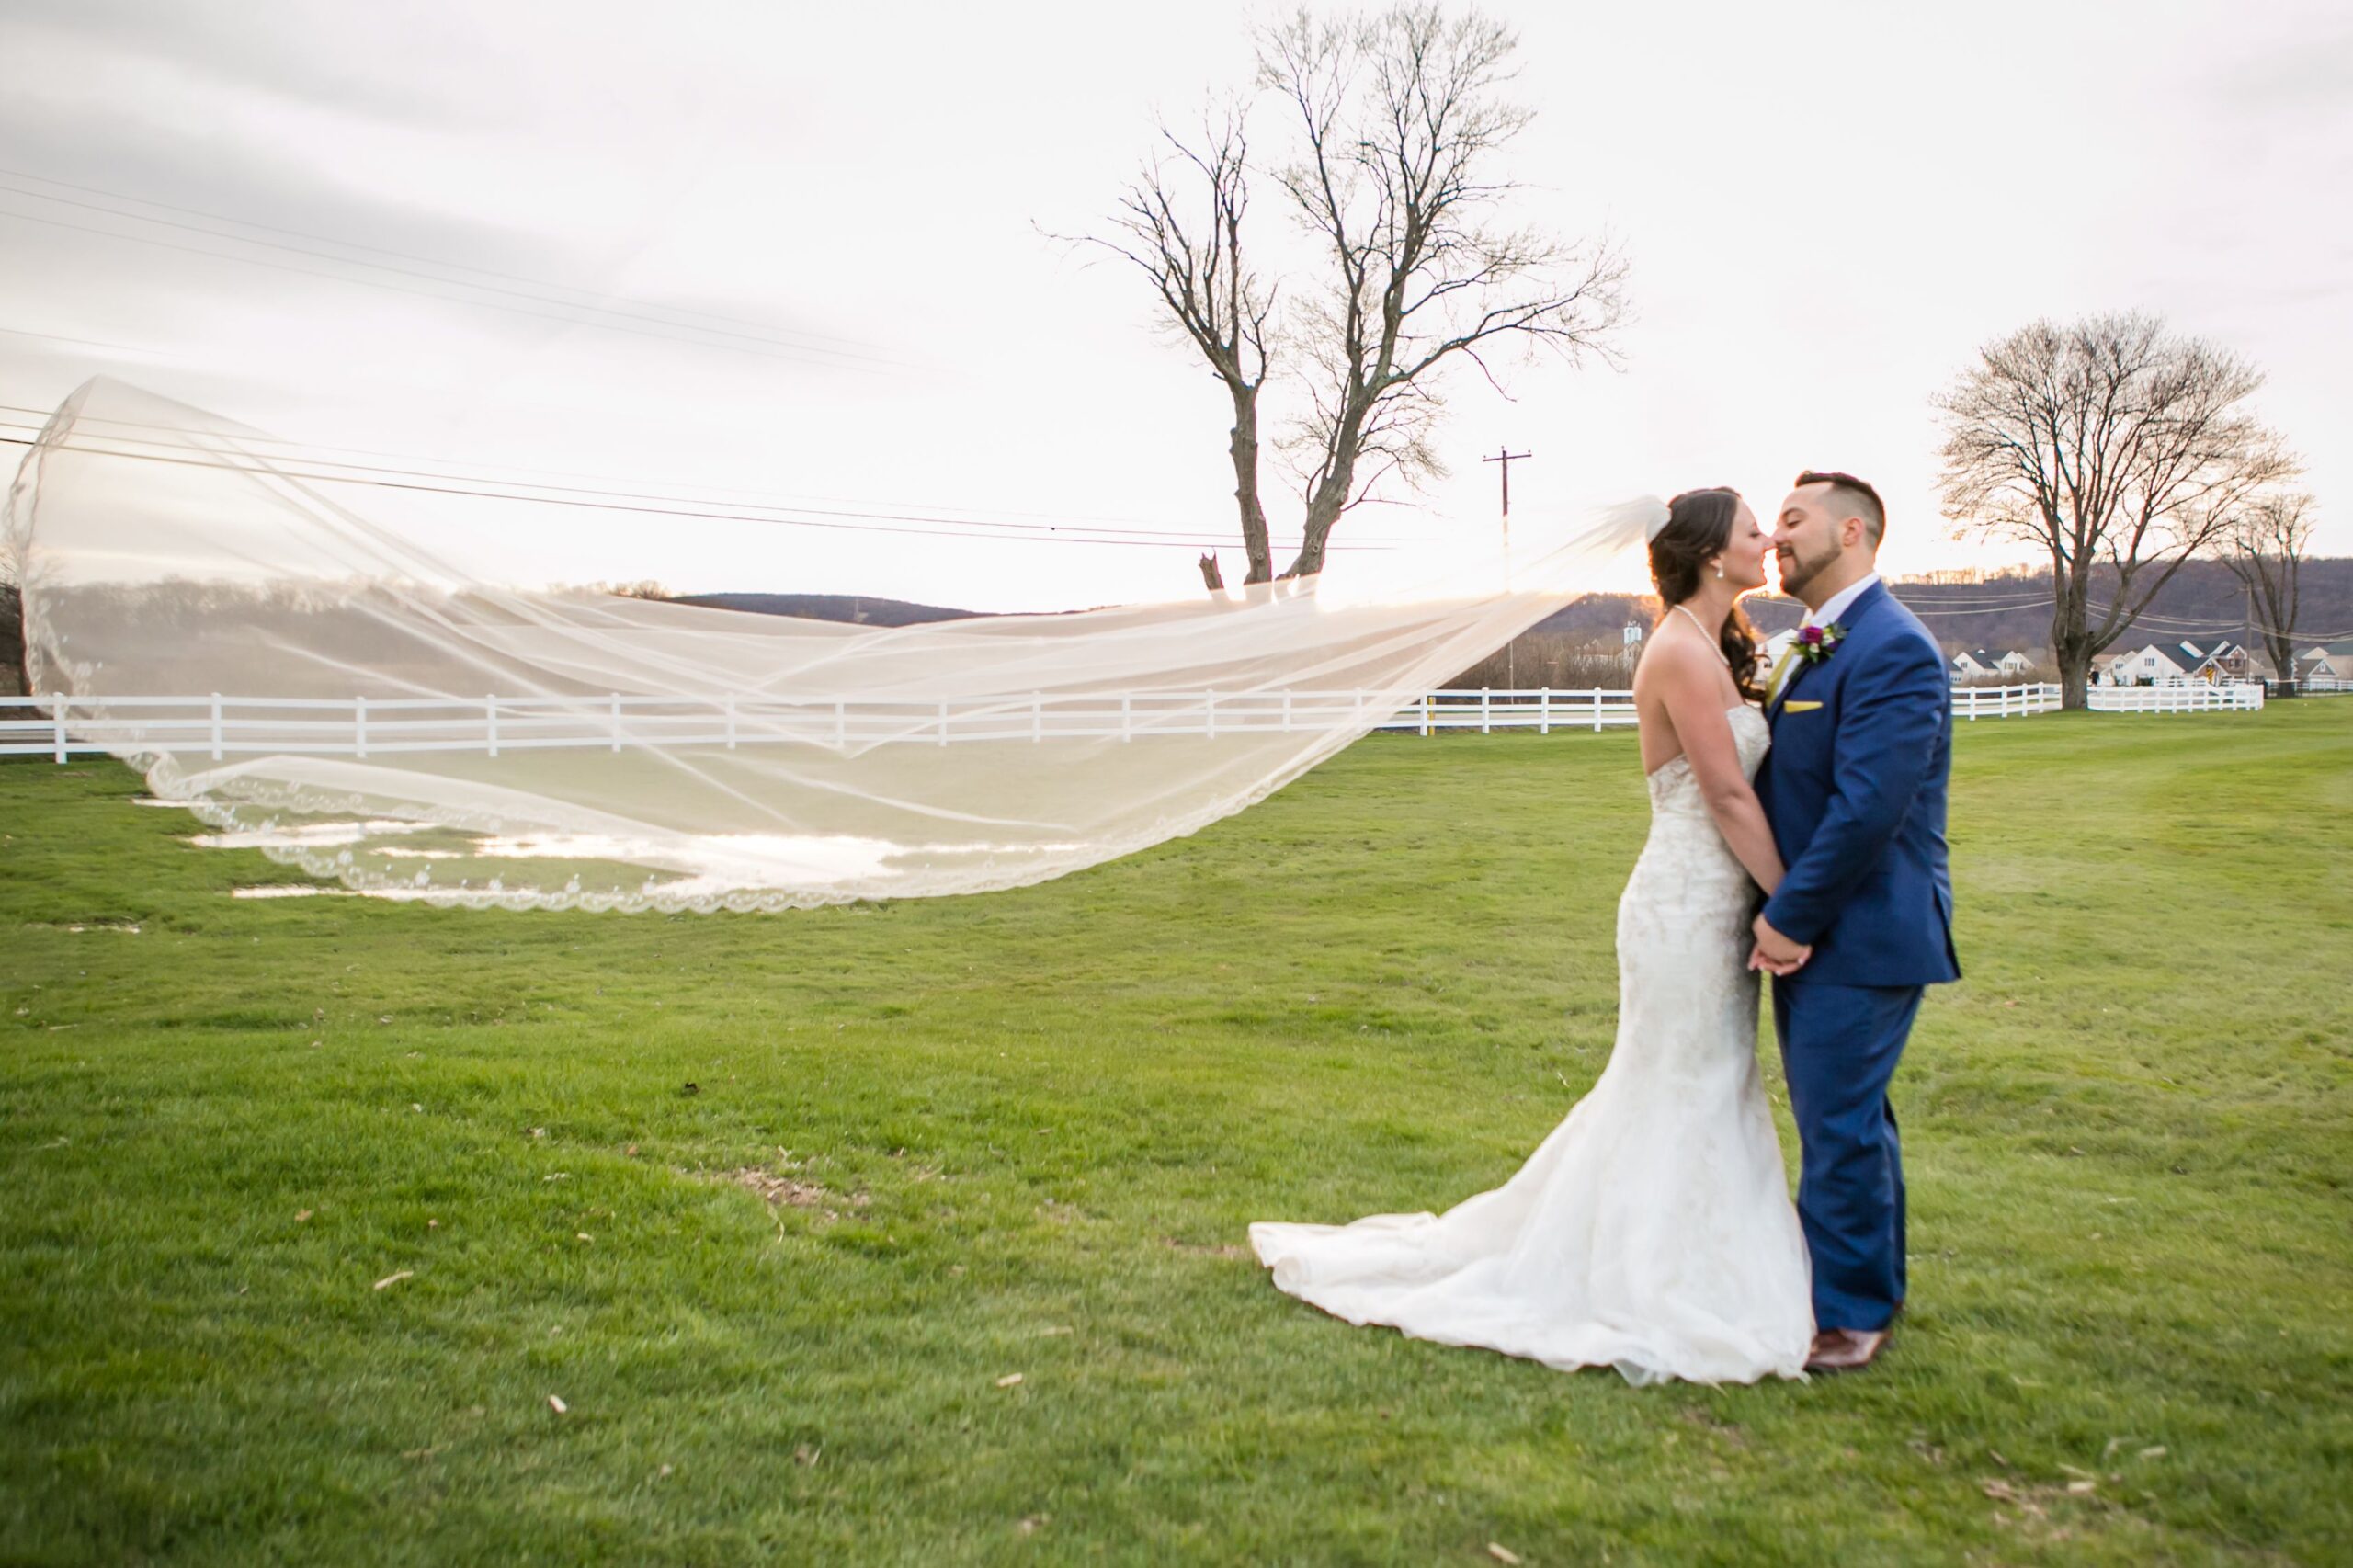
x=1862, y=712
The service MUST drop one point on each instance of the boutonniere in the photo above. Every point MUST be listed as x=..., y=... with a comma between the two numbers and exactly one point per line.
x=1816, y=644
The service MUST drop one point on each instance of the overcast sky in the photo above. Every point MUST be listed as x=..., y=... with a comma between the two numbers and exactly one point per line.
x=1824, y=209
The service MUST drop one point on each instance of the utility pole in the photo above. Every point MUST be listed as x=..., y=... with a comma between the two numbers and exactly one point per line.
x=1507, y=457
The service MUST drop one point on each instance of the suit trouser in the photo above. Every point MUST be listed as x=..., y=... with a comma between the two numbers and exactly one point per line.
x=1839, y=1047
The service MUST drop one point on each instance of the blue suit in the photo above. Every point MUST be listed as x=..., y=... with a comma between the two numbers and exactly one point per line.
x=1855, y=789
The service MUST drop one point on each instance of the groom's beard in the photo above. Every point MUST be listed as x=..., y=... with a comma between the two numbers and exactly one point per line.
x=1797, y=572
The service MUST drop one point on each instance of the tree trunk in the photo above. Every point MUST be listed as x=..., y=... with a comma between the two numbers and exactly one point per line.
x=1331, y=497
x=1244, y=445
x=2071, y=643
x=1323, y=511
x=2076, y=679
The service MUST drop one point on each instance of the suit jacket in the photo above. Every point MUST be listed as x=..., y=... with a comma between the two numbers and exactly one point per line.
x=1855, y=789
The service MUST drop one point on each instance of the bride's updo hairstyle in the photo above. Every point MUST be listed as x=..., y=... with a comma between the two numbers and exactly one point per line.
x=1698, y=524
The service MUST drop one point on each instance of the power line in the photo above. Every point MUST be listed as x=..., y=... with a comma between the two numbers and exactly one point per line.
x=756, y=327
x=1981, y=609
x=2145, y=619
x=982, y=517
x=747, y=345
x=79, y=342
x=956, y=529
x=685, y=506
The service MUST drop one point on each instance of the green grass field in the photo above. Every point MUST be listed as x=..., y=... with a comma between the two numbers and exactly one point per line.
x=774, y=1204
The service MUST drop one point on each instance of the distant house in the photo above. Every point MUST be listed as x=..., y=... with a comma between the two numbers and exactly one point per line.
x=2326, y=661
x=1972, y=665
x=2178, y=664
x=2225, y=661
x=2154, y=664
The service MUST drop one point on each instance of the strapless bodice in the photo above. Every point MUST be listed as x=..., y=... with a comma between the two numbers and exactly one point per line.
x=1675, y=789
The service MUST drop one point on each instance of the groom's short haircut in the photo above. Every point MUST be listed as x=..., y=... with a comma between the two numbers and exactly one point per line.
x=1850, y=497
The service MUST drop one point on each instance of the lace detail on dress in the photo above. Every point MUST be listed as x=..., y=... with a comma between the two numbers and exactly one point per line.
x=1653, y=1230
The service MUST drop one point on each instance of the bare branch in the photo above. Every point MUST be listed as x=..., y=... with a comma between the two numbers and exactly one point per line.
x=1180, y=224
x=1399, y=115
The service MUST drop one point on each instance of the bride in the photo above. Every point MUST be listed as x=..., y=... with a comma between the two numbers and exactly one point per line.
x=1652, y=1230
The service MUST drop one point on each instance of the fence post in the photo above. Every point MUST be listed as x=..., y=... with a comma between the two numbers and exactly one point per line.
x=1425, y=715
x=1127, y=716
x=1211, y=708
x=490, y=719
x=1485, y=710
x=360, y=726
x=1286, y=711
x=1544, y=711
x=1597, y=710
x=57, y=722
x=216, y=726
x=617, y=721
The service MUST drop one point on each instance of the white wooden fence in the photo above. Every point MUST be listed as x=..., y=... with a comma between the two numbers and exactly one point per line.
x=223, y=726
x=2190, y=696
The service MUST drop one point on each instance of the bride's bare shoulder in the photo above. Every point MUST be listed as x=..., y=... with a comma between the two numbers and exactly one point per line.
x=1671, y=655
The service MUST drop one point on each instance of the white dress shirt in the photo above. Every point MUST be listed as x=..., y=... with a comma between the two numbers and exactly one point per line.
x=1836, y=605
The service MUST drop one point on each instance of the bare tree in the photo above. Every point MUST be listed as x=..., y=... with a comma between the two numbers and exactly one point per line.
x=1402, y=115
x=1179, y=222
x=2265, y=548
x=2112, y=444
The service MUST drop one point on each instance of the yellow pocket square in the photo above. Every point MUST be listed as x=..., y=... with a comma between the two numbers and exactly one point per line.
x=1800, y=706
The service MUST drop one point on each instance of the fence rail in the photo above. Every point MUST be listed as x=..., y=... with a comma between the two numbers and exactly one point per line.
x=223, y=726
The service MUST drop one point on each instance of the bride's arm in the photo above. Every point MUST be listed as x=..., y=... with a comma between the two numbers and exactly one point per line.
x=1693, y=693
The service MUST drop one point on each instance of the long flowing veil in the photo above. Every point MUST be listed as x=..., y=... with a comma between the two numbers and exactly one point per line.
x=353, y=704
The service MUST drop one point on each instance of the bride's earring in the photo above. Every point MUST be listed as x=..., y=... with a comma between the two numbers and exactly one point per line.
x=1720, y=568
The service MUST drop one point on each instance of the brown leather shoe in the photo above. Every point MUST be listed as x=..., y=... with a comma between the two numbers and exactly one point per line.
x=1846, y=1349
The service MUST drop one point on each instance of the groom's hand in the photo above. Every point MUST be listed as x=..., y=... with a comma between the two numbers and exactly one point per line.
x=1774, y=952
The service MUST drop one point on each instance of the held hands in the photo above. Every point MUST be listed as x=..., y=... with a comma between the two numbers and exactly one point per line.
x=1774, y=953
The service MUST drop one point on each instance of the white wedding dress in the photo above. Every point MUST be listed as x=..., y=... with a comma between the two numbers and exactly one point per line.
x=1653, y=1230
